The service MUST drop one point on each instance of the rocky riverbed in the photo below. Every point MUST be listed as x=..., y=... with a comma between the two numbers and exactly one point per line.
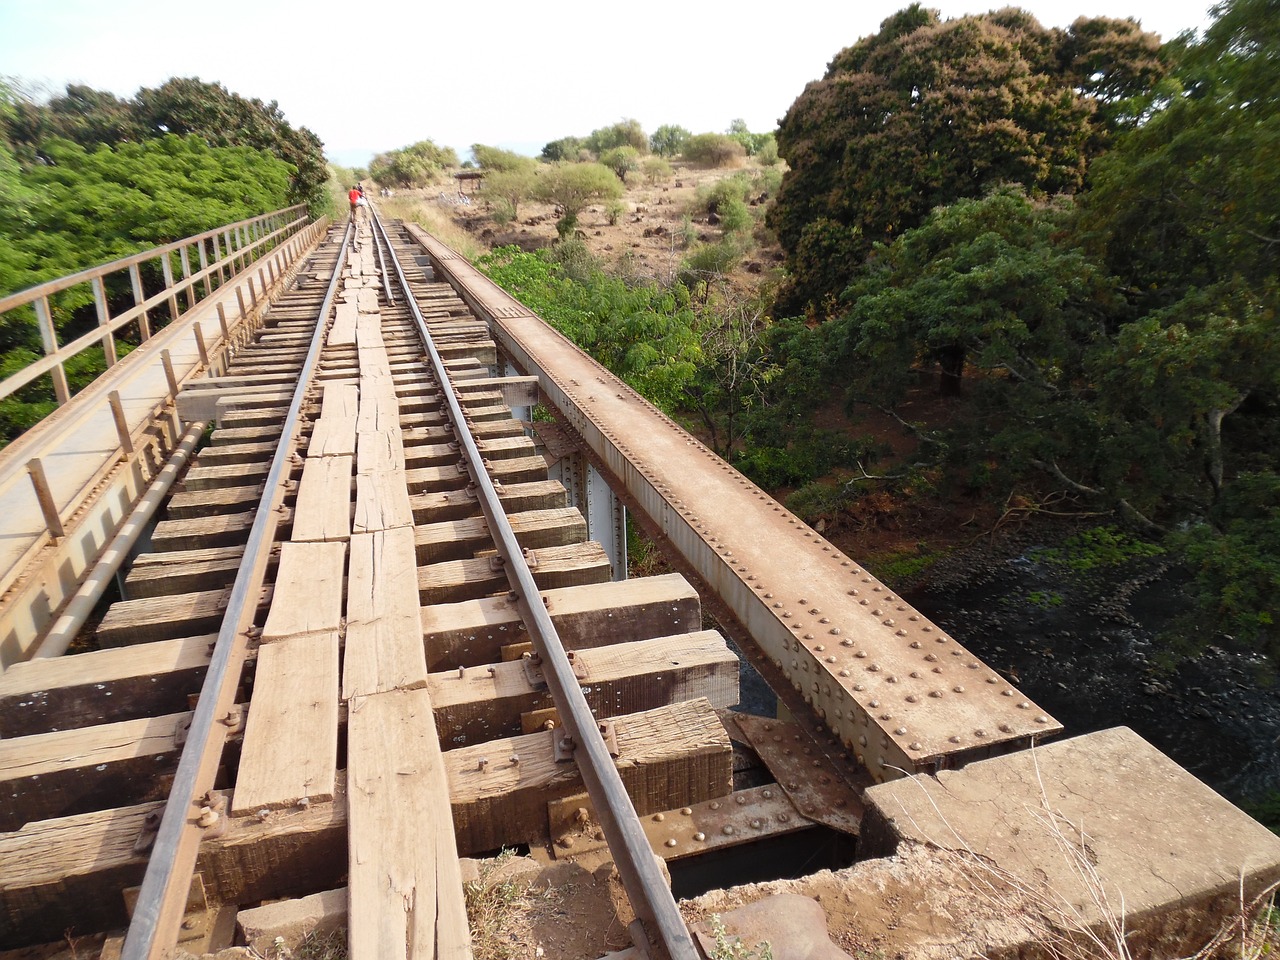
x=1087, y=647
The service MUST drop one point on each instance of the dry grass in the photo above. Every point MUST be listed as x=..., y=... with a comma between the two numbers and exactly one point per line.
x=498, y=907
x=423, y=207
x=1064, y=932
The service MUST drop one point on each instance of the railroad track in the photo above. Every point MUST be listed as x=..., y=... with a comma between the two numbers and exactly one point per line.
x=379, y=631
x=368, y=541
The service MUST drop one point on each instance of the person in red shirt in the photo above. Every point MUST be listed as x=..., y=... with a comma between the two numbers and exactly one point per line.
x=354, y=197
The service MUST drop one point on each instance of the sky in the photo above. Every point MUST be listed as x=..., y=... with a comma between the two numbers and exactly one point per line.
x=511, y=74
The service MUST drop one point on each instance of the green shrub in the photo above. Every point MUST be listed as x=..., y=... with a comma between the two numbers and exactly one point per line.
x=503, y=212
x=713, y=150
x=655, y=169
x=621, y=160
x=709, y=260
x=768, y=152
x=613, y=211
x=816, y=500
x=711, y=196
x=735, y=216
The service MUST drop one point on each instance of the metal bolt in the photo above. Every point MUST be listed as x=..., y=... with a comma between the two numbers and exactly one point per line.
x=671, y=842
x=482, y=763
x=700, y=836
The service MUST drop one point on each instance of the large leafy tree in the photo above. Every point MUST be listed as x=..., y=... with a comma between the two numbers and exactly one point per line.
x=182, y=106
x=1186, y=210
x=926, y=112
x=416, y=165
x=572, y=186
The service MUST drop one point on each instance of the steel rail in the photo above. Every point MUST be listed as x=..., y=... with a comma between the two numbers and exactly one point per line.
x=77, y=610
x=164, y=891
x=382, y=264
x=637, y=866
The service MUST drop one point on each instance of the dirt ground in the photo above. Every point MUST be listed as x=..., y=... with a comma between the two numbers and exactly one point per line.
x=645, y=243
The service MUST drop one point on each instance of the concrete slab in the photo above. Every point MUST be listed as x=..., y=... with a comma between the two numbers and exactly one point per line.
x=1104, y=827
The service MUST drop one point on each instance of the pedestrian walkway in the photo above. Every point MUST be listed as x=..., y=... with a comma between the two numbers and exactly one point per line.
x=80, y=446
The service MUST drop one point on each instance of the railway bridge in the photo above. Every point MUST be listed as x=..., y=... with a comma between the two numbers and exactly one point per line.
x=317, y=600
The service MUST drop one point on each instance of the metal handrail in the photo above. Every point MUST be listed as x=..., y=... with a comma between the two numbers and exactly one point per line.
x=637, y=867
x=242, y=243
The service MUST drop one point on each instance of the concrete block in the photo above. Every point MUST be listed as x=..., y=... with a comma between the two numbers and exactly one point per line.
x=321, y=913
x=1104, y=827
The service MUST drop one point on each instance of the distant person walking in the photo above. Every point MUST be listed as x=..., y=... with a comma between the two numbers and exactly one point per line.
x=354, y=196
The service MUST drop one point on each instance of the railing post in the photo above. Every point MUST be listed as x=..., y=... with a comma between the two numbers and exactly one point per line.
x=167, y=362
x=225, y=351
x=44, y=496
x=240, y=299
x=139, y=297
x=104, y=318
x=166, y=266
x=49, y=338
x=189, y=290
x=204, y=265
x=204, y=353
x=217, y=258
x=122, y=425
x=262, y=279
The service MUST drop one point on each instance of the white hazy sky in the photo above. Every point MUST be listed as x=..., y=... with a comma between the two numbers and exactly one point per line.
x=373, y=77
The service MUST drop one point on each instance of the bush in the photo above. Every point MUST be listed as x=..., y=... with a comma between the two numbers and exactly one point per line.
x=655, y=169
x=613, y=211
x=713, y=150
x=416, y=165
x=710, y=197
x=767, y=155
x=735, y=216
x=668, y=140
x=709, y=260
x=503, y=212
x=621, y=160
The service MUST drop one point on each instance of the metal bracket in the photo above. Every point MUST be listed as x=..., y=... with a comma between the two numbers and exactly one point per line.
x=150, y=827
x=532, y=664
x=563, y=745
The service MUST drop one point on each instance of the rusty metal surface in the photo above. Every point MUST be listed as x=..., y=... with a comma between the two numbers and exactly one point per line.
x=743, y=816
x=557, y=441
x=798, y=764
x=897, y=690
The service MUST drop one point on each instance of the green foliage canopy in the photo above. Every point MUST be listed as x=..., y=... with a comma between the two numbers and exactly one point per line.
x=926, y=112
x=668, y=140
x=417, y=165
x=642, y=333
x=572, y=186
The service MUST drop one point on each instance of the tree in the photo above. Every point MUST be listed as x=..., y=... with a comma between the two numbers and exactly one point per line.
x=566, y=149
x=624, y=133
x=495, y=158
x=668, y=140
x=982, y=281
x=734, y=367
x=416, y=165
x=512, y=186
x=181, y=106
x=927, y=112
x=571, y=186
x=621, y=160
x=187, y=105
x=713, y=150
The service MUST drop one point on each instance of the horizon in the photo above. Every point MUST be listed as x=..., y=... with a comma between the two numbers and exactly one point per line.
x=544, y=73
